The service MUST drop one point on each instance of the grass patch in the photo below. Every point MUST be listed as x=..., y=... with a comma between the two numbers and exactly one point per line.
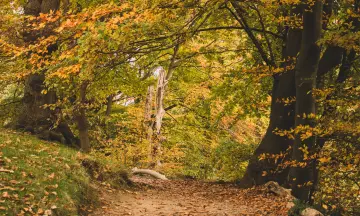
x=39, y=177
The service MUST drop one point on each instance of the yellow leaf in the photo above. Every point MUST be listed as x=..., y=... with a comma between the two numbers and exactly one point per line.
x=324, y=160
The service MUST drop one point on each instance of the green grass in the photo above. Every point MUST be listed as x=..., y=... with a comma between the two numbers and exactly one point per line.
x=38, y=177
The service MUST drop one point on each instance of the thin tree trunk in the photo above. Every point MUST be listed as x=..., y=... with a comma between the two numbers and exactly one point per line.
x=82, y=122
x=109, y=104
x=148, y=125
x=160, y=112
x=163, y=80
x=160, y=100
x=301, y=176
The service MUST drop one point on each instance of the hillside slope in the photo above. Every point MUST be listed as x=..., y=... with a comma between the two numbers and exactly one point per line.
x=39, y=177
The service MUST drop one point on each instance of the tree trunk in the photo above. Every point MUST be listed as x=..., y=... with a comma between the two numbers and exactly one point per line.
x=331, y=58
x=163, y=80
x=109, y=104
x=33, y=117
x=281, y=117
x=82, y=122
x=148, y=124
x=160, y=112
x=160, y=100
x=344, y=73
x=301, y=175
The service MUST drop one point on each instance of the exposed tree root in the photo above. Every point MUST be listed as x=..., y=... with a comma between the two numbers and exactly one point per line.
x=149, y=172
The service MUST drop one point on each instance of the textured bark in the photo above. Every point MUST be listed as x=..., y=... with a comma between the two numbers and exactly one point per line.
x=160, y=112
x=346, y=60
x=163, y=80
x=33, y=115
x=281, y=117
x=306, y=71
x=160, y=93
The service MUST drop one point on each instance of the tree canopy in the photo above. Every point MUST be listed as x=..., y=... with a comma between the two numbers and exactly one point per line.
x=255, y=91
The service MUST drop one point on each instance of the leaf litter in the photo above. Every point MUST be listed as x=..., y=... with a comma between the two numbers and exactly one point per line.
x=189, y=197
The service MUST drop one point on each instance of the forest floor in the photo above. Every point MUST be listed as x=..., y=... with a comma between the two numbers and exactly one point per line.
x=188, y=197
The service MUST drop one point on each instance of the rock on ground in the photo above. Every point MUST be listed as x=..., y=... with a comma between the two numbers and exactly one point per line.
x=311, y=212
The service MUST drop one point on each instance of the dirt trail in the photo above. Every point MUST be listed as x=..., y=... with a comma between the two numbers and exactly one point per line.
x=180, y=198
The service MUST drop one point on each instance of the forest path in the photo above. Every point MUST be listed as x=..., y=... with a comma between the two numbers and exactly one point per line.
x=187, y=197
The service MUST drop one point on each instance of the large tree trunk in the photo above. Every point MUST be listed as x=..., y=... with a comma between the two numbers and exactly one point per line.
x=301, y=175
x=281, y=117
x=33, y=117
x=347, y=59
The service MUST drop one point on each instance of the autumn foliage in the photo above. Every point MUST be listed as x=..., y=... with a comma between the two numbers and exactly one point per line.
x=189, y=87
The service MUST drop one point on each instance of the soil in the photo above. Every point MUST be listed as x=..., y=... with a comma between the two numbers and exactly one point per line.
x=188, y=197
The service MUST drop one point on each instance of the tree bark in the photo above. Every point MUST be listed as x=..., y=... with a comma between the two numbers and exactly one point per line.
x=148, y=123
x=160, y=112
x=281, y=117
x=109, y=104
x=33, y=117
x=346, y=60
x=82, y=122
x=160, y=100
x=163, y=80
x=301, y=175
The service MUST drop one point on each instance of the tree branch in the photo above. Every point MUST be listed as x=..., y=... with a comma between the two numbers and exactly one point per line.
x=242, y=21
x=240, y=28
